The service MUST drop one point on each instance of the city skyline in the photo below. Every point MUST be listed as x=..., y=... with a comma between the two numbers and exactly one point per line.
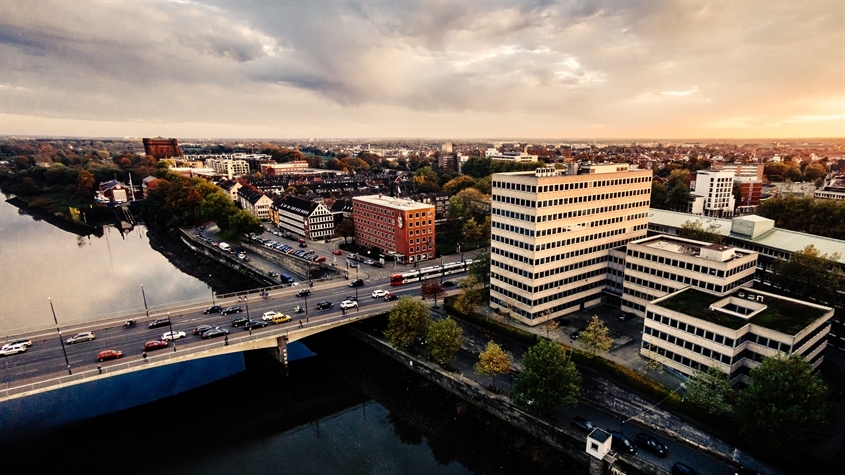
x=452, y=70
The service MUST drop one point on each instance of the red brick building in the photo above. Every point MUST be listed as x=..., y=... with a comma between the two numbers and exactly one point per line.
x=396, y=226
x=161, y=147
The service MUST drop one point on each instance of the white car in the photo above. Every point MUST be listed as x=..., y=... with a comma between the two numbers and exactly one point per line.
x=12, y=349
x=377, y=294
x=169, y=336
x=23, y=341
x=84, y=336
x=348, y=304
x=268, y=316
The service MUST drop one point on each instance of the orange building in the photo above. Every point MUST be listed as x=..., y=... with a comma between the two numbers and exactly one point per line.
x=161, y=147
x=396, y=226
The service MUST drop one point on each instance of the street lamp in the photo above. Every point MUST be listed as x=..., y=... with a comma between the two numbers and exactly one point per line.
x=172, y=335
x=67, y=362
x=146, y=309
x=212, y=289
x=441, y=270
x=246, y=299
x=356, y=285
x=306, y=307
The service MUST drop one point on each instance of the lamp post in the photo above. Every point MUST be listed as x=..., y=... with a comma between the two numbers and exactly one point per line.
x=356, y=285
x=172, y=335
x=246, y=300
x=146, y=309
x=67, y=362
x=306, y=308
x=441, y=270
x=212, y=289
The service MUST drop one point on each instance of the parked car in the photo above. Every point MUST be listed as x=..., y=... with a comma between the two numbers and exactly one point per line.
x=337, y=252
x=622, y=443
x=389, y=297
x=447, y=283
x=583, y=424
x=369, y=262
x=302, y=244
x=232, y=309
x=215, y=332
x=84, y=336
x=348, y=304
x=240, y=321
x=379, y=293
x=212, y=309
x=20, y=341
x=651, y=444
x=351, y=263
x=170, y=336
x=324, y=305
x=200, y=329
x=683, y=469
x=9, y=349
x=109, y=355
x=255, y=324
x=626, y=316
x=303, y=292
x=154, y=345
x=356, y=283
x=160, y=322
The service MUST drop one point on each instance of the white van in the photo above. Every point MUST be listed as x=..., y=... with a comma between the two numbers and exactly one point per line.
x=225, y=246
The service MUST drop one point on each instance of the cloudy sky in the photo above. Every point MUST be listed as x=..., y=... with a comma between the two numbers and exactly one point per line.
x=438, y=69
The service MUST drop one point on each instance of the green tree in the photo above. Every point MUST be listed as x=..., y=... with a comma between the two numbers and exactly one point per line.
x=493, y=361
x=425, y=179
x=659, y=195
x=432, y=289
x=710, y=390
x=243, y=222
x=444, y=339
x=345, y=228
x=408, y=320
x=471, y=296
x=471, y=231
x=549, y=380
x=784, y=412
x=459, y=183
x=480, y=268
x=810, y=274
x=678, y=199
x=695, y=230
x=595, y=338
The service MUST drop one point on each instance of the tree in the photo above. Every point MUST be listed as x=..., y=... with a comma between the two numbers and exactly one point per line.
x=425, y=179
x=653, y=365
x=493, y=361
x=444, y=339
x=471, y=231
x=659, y=195
x=679, y=197
x=459, y=183
x=595, y=338
x=408, y=320
x=471, y=297
x=432, y=289
x=810, y=274
x=695, y=230
x=548, y=381
x=710, y=390
x=549, y=325
x=784, y=412
x=84, y=184
x=480, y=268
x=345, y=228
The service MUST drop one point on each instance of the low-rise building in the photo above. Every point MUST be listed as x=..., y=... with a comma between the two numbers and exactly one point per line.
x=253, y=200
x=309, y=219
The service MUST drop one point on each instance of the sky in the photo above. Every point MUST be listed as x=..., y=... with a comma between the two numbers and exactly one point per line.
x=423, y=69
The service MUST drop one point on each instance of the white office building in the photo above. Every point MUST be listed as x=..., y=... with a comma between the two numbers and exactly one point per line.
x=713, y=193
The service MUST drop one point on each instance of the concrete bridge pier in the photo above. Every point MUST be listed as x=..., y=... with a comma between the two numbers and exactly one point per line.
x=280, y=352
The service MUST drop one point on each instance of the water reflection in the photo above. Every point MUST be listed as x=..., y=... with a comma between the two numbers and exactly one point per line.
x=88, y=277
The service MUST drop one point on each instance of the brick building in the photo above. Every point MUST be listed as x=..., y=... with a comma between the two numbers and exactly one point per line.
x=161, y=147
x=399, y=227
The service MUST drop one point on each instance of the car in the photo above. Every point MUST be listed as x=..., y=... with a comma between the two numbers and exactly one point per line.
x=583, y=424
x=20, y=341
x=170, y=336
x=379, y=293
x=109, y=355
x=651, y=444
x=352, y=298
x=240, y=321
x=348, y=304
x=255, y=324
x=160, y=322
x=212, y=309
x=231, y=310
x=320, y=259
x=324, y=305
x=683, y=469
x=337, y=252
x=281, y=318
x=378, y=264
x=247, y=259
x=447, y=283
x=154, y=345
x=10, y=349
x=625, y=317
x=389, y=297
x=273, y=273
x=622, y=443
x=351, y=263
x=356, y=283
x=369, y=262
x=215, y=332
x=268, y=316
x=301, y=241
x=303, y=292
x=200, y=329
x=84, y=336
x=302, y=244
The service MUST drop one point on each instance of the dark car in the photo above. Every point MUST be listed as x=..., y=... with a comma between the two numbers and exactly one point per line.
x=389, y=297
x=232, y=309
x=622, y=443
x=352, y=298
x=356, y=283
x=160, y=322
x=625, y=317
x=583, y=424
x=199, y=330
x=212, y=309
x=324, y=305
x=303, y=292
x=651, y=444
x=240, y=321
x=302, y=244
x=683, y=469
x=154, y=345
x=377, y=264
x=255, y=324
x=215, y=332
x=447, y=283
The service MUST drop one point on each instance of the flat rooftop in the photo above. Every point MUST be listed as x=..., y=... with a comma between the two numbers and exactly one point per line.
x=389, y=201
x=780, y=314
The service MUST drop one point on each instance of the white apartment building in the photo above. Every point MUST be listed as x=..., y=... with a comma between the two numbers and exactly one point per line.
x=552, y=231
x=228, y=166
x=713, y=193
x=659, y=265
x=519, y=157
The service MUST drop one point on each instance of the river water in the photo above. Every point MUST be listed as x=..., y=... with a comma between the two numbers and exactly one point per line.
x=345, y=411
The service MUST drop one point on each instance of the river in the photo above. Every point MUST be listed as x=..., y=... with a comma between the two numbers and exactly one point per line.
x=347, y=410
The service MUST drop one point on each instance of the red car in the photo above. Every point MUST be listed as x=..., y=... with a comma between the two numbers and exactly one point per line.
x=109, y=355
x=154, y=345
x=336, y=252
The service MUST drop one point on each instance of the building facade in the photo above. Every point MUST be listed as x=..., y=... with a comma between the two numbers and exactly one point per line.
x=253, y=200
x=398, y=227
x=228, y=167
x=271, y=169
x=309, y=219
x=552, y=231
x=161, y=147
x=713, y=193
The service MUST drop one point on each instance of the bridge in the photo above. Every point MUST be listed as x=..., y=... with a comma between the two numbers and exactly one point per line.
x=49, y=364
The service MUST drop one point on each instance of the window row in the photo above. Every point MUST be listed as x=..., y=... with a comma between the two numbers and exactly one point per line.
x=695, y=348
x=576, y=185
x=691, y=329
x=553, y=271
x=689, y=280
x=556, y=257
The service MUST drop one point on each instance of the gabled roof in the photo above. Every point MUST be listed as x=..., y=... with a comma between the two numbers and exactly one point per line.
x=292, y=204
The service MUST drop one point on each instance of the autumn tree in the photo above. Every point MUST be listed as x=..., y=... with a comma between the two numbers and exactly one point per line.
x=471, y=231
x=85, y=184
x=548, y=381
x=459, y=183
x=432, y=289
x=471, y=297
x=595, y=337
x=710, y=390
x=695, y=230
x=493, y=361
x=810, y=274
x=444, y=339
x=408, y=320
